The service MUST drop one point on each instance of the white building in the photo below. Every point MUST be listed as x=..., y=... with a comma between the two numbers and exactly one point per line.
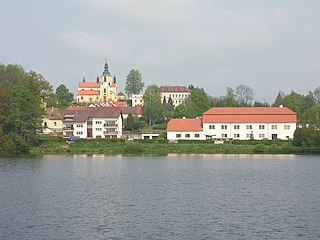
x=178, y=94
x=242, y=123
x=99, y=122
x=137, y=100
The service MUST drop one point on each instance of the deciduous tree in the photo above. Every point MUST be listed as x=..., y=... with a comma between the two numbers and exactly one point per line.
x=134, y=84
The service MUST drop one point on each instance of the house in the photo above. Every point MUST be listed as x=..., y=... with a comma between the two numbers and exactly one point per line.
x=185, y=129
x=52, y=122
x=101, y=91
x=137, y=100
x=92, y=122
x=178, y=94
x=242, y=123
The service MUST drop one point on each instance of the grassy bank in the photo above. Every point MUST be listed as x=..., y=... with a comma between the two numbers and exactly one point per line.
x=54, y=145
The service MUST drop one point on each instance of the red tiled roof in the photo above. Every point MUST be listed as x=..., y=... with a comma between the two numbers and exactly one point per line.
x=88, y=92
x=174, y=89
x=54, y=114
x=121, y=94
x=249, y=115
x=113, y=84
x=89, y=85
x=121, y=104
x=185, y=125
x=82, y=114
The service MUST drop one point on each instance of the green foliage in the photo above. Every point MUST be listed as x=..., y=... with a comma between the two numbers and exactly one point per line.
x=64, y=96
x=259, y=148
x=132, y=123
x=168, y=108
x=152, y=110
x=22, y=96
x=200, y=100
x=134, y=147
x=306, y=137
x=311, y=117
x=230, y=99
x=134, y=84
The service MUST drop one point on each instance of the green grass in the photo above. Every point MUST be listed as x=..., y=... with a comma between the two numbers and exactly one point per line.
x=121, y=146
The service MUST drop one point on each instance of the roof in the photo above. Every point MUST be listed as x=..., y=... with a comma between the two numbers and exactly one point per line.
x=185, y=125
x=82, y=114
x=121, y=104
x=88, y=92
x=174, y=89
x=249, y=115
x=54, y=114
x=89, y=85
x=121, y=94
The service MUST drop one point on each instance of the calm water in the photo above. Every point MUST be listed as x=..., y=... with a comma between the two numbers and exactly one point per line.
x=171, y=197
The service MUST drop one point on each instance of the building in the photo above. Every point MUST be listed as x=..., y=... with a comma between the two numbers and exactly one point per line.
x=241, y=123
x=137, y=100
x=52, y=122
x=178, y=94
x=92, y=122
x=101, y=91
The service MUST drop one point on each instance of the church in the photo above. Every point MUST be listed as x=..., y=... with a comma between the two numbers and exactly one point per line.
x=102, y=91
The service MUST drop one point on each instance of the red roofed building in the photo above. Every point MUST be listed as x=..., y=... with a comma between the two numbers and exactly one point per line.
x=241, y=123
x=178, y=94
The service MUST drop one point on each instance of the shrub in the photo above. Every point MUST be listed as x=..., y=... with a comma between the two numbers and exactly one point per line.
x=259, y=148
x=134, y=147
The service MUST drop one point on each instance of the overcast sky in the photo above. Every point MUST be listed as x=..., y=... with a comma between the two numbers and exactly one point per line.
x=269, y=45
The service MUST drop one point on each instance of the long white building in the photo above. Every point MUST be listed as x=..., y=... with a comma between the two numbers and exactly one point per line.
x=178, y=94
x=242, y=123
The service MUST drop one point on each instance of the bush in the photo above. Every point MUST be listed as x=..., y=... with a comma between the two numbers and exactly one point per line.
x=134, y=147
x=259, y=148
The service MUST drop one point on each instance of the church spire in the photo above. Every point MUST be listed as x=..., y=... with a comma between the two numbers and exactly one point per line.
x=106, y=69
x=84, y=79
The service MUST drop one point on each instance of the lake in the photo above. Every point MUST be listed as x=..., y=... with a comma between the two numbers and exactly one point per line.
x=163, y=197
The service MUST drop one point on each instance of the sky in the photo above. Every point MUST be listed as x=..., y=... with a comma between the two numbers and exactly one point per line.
x=270, y=46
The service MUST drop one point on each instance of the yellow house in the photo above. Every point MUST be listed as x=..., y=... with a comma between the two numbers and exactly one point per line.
x=101, y=91
x=137, y=100
x=52, y=122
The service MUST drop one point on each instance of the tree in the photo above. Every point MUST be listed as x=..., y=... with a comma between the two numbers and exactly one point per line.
x=230, y=99
x=279, y=99
x=294, y=101
x=64, y=96
x=244, y=95
x=134, y=84
x=152, y=110
x=316, y=94
x=200, y=99
x=22, y=98
x=311, y=117
x=168, y=108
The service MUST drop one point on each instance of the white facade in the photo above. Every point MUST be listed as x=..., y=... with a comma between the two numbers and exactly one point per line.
x=177, y=97
x=137, y=100
x=107, y=127
x=185, y=135
x=247, y=131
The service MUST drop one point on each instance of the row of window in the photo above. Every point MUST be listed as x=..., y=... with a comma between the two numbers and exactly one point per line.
x=178, y=95
x=248, y=127
x=79, y=133
x=187, y=135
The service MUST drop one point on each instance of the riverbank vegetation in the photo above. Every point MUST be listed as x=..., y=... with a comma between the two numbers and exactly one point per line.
x=56, y=145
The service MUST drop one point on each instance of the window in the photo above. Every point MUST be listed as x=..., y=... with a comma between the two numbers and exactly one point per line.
x=236, y=126
x=196, y=135
x=249, y=126
x=286, y=127
x=79, y=125
x=261, y=126
x=274, y=127
x=223, y=126
x=178, y=135
x=248, y=135
x=236, y=135
x=223, y=135
x=55, y=124
x=261, y=136
x=98, y=122
x=45, y=124
x=187, y=135
x=79, y=133
x=98, y=129
x=211, y=126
